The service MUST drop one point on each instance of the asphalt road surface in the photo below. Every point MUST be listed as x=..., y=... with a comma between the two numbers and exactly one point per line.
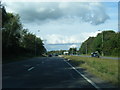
x=42, y=72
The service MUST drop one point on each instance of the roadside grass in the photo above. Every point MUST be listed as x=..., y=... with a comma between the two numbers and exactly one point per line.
x=113, y=56
x=106, y=69
x=104, y=56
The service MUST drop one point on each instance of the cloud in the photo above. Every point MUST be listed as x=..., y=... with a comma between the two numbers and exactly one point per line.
x=62, y=39
x=62, y=42
x=73, y=46
x=63, y=0
x=43, y=12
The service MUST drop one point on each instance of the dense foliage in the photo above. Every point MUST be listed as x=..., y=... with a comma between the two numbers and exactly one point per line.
x=58, y=52
x=110, y=43
x=17, y=41
x=72, y=51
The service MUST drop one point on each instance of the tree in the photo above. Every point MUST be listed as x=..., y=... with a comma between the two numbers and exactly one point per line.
x=73, y=51
x=11, y=32
x=87, y=45
x=16, y=40
x=110, y=43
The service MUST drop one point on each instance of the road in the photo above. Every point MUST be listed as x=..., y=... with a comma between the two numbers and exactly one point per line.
x=43, y=72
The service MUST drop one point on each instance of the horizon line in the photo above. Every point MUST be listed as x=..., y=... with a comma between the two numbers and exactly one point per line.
x=64, y=43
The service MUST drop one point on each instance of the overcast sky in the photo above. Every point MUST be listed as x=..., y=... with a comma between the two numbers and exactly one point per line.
x=66, y=22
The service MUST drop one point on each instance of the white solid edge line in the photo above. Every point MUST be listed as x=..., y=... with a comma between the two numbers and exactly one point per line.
x=30, y=68
x=84, y=76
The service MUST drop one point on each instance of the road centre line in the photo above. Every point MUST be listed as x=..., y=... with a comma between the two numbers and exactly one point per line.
x=83, y=76
x=31, y=68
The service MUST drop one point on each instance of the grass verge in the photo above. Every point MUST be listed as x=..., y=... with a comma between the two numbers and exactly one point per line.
x=106, y=69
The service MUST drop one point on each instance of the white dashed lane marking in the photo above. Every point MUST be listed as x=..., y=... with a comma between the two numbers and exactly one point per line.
x=31, y=68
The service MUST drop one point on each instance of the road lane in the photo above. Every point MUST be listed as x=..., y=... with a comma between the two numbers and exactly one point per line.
x=44, y=72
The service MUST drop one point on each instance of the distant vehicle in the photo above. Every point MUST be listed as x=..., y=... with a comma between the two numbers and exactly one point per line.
x=49, y=55
x=56, y=54
x=94, y=54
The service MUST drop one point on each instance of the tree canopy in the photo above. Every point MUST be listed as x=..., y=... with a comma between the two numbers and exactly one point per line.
x=110, y=44
x=16, y=40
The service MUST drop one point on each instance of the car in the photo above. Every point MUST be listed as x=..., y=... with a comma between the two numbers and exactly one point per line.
x=49, y=55
x=56, y=54
x=94, y=54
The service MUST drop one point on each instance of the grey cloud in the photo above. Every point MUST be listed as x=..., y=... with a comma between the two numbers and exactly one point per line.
x=41, y=12
x=93, y=13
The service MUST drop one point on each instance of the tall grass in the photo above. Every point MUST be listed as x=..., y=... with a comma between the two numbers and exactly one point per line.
x=106, y=69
